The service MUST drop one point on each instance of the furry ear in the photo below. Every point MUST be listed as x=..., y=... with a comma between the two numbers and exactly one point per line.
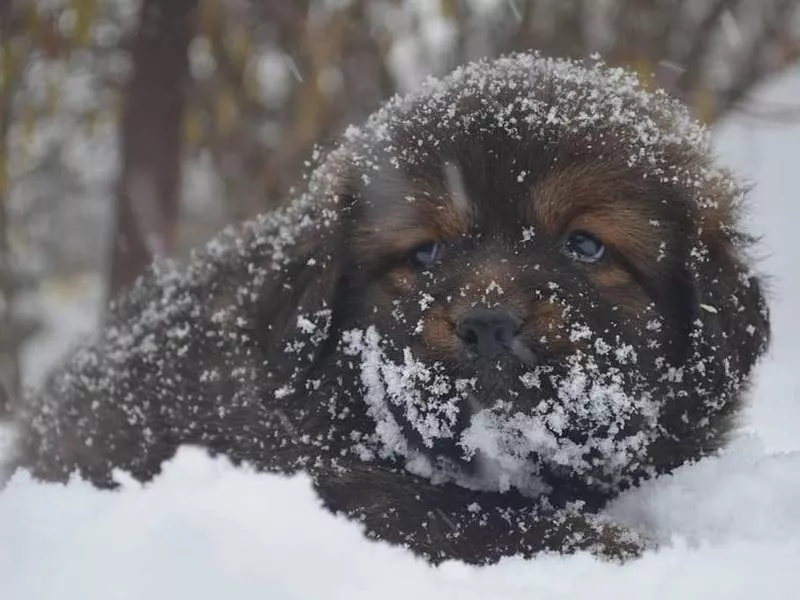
x=302, y=305
x=732, y=320
x=306, y=299
x=729, y=329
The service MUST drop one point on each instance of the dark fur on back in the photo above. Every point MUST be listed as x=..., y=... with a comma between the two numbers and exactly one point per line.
x=308, y=339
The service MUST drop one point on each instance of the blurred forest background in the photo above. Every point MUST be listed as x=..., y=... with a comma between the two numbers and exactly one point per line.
x=133, y=129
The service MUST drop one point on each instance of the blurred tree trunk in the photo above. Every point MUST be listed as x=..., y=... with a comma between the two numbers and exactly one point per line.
x=9, y=358
x=148, y=193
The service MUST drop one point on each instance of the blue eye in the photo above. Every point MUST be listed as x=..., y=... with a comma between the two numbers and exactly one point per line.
x=583, y=246
x=427, y=255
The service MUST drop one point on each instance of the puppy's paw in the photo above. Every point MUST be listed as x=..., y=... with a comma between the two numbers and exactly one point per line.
x=574, y=531
x=448, y=522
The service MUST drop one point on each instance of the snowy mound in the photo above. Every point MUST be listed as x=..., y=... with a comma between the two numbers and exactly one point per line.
x=204, y=530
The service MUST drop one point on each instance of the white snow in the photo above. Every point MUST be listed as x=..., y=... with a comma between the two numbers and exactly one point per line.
x=729, y=527
x=206, y=530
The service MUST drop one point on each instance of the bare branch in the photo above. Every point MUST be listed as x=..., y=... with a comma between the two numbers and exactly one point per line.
x=694, y=59
x=755, y=70
x=9, y=357
x=151, y=134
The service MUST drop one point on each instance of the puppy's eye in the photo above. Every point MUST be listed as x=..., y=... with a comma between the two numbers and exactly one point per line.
x=426, y=255
x=583, y=246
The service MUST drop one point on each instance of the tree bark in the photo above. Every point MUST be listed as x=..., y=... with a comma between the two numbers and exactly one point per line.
x=9, y=358
x=148, y=192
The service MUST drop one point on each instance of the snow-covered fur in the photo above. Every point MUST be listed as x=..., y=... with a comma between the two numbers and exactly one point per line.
x=340, y=335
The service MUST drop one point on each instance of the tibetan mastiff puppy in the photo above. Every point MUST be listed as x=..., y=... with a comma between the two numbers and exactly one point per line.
x=506, y=298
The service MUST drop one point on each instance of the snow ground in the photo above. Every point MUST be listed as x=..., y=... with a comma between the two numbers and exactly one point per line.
x=730, y=526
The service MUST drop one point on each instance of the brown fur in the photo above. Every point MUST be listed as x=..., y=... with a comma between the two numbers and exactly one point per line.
x=218, y=357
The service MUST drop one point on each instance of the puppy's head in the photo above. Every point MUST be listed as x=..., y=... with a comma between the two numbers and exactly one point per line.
x=544, y=276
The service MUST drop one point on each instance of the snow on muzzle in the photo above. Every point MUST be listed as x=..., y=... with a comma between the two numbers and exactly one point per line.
x=580, y=422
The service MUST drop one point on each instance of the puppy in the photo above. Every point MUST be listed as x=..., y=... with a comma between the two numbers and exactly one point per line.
x=507, y=297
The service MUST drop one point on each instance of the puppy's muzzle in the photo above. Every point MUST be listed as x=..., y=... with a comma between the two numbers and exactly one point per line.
x=488, y=333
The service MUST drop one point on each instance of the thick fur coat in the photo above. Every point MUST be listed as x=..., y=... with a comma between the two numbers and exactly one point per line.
x=503, y=300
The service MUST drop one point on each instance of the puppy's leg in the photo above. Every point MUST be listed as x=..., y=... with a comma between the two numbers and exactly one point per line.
x=442, y=522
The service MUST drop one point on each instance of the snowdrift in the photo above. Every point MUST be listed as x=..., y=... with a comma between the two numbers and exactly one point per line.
x=730, y=528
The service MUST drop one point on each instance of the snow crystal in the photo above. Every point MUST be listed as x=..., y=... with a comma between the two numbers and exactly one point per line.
x=528, y=234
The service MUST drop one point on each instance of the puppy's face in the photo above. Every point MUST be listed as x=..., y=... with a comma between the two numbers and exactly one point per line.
x=544, y=303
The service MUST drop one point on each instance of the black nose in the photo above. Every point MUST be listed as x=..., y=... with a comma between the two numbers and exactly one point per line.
x=488, y=332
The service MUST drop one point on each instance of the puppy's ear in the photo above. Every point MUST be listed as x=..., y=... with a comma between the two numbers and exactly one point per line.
x=730, y=327
x=301, y=307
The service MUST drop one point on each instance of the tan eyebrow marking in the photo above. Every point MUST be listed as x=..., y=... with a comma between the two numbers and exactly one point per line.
x=566, y=192
x=413, y=212
x=608, y=201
